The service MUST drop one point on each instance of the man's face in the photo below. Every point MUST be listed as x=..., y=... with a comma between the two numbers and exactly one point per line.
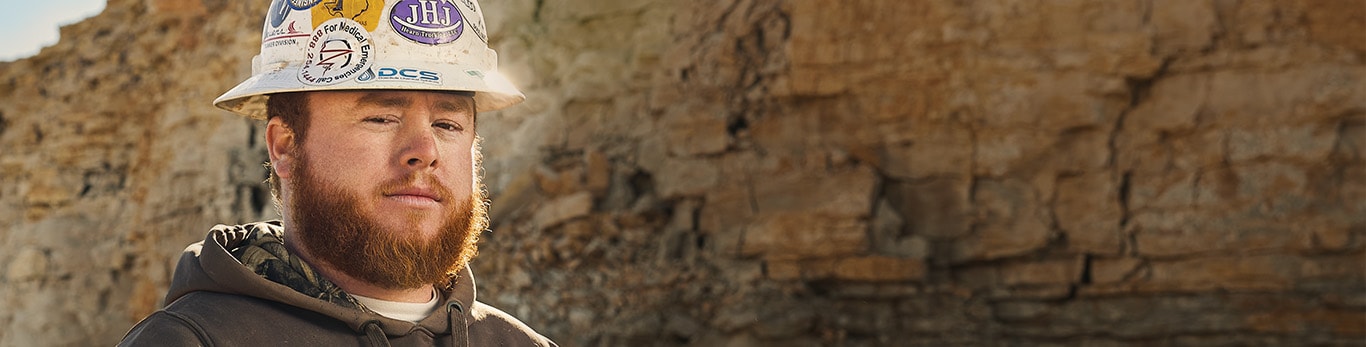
x=384, y=185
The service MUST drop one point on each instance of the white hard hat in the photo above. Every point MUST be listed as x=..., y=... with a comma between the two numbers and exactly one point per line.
x=309, y=45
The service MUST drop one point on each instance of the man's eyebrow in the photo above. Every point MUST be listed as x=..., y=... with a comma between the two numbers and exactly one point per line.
x=452, y=106
x=383, y=100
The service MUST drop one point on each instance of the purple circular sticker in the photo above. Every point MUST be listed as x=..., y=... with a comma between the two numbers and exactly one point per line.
x=427, y=21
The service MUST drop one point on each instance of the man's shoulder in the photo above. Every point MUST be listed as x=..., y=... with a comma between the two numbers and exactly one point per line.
x=203, y=317
x=164, y=328
x=188, y=320
x=231, y=309
x=491, y=324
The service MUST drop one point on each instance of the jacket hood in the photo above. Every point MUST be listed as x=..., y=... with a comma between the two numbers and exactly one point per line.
x=211, y=266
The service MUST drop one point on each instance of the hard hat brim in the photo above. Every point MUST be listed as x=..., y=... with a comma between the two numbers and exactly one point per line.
x=492, y=91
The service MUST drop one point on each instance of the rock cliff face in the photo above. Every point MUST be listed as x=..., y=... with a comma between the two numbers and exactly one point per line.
x=764, y=172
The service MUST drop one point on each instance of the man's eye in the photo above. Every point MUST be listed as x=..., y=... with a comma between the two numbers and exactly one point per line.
x=379, y=120
x=448, y=126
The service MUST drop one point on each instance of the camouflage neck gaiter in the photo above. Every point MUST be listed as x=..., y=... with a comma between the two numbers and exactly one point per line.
x=259, y=247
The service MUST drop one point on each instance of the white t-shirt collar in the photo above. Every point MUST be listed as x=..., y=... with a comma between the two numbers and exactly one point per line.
x=407, y=311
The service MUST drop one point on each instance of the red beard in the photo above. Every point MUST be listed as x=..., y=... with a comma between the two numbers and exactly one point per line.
x=334, y=229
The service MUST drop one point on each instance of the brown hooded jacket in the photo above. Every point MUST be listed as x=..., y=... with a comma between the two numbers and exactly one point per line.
x=215, y=300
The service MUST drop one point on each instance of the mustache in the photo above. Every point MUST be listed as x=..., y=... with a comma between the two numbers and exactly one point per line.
x=425, y=182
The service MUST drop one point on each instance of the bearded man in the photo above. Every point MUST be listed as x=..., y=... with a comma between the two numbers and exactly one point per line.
x=375, y=166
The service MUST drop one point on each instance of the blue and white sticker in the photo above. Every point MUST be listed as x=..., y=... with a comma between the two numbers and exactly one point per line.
x=407, y=74
x=279, y=10
x=430, y=22
x=300, y=5
x=338, y=51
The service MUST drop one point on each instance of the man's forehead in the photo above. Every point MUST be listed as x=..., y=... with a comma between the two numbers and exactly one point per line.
x=408, y=97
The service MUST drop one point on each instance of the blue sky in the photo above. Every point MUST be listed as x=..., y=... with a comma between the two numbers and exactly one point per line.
x=29, y=25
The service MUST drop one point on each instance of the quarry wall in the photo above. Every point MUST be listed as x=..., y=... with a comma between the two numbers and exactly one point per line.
x=766, y=172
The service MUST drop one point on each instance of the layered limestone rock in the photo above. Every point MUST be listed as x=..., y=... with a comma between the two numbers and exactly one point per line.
x=765, y=172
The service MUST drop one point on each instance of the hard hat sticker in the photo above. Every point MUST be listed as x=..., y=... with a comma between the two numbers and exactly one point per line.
x=278, y=12
x=400, y=74
x=300, y=5
x=277, y=33
x=280, y=37
x=361, y=11
x=476, y=20
x=338, y=51
x=427, y=21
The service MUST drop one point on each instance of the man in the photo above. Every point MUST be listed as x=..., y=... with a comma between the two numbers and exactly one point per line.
x=375, y=166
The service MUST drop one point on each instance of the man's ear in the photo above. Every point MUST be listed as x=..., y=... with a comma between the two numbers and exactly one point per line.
x=280, y=143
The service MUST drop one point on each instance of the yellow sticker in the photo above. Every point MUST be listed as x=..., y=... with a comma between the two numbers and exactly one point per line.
x=365, y=12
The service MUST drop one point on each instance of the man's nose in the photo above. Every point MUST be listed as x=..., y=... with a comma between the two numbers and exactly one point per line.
x=420, y=149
